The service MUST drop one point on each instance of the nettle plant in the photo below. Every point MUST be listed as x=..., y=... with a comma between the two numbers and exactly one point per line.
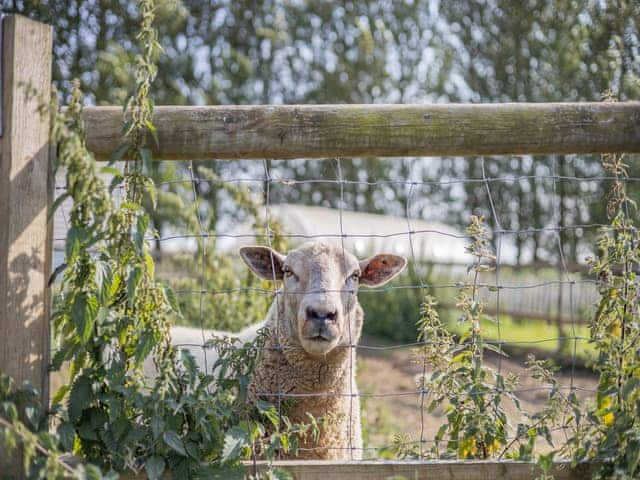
x=472, y=392
x=614, y=433
x=606, y=433
x=110, y=314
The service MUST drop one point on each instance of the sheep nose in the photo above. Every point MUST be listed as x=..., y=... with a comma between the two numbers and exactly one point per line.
x=321, y=315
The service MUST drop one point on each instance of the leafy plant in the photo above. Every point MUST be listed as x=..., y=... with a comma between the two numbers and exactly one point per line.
x=614, y=436
x=24, y=425
x=111, y=314
x=477, y=426
x=476, y=422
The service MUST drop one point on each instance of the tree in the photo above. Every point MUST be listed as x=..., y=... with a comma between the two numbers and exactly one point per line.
x=540, y=51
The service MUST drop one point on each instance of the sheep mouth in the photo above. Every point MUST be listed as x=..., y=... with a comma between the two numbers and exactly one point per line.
x=319, y=338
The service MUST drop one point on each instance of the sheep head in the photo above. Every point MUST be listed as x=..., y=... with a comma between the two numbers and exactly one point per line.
x=319, y=289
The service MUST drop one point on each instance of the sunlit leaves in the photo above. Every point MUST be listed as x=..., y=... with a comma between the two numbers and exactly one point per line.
x=234, y=440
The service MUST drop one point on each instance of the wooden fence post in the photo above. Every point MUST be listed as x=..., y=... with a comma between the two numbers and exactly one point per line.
x=25, y=194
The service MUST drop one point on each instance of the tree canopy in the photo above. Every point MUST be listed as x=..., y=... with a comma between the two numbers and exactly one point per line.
x=277, y=51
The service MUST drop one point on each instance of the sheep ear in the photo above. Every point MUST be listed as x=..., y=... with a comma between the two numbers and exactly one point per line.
x=379, y=269
x=264, y=261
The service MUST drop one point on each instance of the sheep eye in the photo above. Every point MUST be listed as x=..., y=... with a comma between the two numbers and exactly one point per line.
x=288, y=273
x=355, y=276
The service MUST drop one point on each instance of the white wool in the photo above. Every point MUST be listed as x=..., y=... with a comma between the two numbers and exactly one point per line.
x=193, y=339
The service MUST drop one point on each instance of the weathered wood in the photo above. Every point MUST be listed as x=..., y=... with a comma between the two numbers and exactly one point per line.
x=440, y=470
x=25, y=192
x=316, y=131
x=409, y=470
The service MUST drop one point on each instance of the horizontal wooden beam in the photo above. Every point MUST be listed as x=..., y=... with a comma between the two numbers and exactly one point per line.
x=438, y=469
x=321, y=131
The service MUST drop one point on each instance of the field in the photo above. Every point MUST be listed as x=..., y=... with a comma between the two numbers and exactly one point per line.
x=537, y=336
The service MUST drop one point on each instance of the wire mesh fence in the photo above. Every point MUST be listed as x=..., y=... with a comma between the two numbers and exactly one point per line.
x=558, y=299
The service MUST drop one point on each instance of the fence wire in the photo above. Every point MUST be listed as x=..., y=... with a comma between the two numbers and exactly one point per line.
x=495, y=285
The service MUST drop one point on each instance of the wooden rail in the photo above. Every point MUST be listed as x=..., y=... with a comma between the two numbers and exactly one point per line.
x=317, y=131
x=410, y=470
x=441, y=470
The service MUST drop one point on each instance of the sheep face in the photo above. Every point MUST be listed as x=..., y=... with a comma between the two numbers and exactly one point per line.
x=319, y=290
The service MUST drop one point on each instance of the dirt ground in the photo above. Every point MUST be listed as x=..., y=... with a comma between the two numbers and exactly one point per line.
x=394, y=371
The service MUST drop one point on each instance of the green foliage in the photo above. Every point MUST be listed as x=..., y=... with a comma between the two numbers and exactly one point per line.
x=477, y=425
x=111, y=314
x=476, y=422
x=615, y=331
x=24, y=425
x=472, y=393
x=276, y=51
x=607, y=432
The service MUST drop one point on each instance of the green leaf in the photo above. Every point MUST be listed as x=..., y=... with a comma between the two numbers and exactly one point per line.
x=119, y=152
x=57, y=204
x=10, y=411
x=80, y=397
x=144, y=347
x=495, y=348
x=145, y=156
x=141, y=229
x=188, y=362
x=281, y=474
x=126, y=127
x=115, y=181
x=153, y=131
x=173, y=440
x=75, y=237
x=234, y=440
x=67, y=434
x=90, y=472
x=83, y=314
x=62, y=391
x=633, y=456
x=461, y=357
x=154, y=466
x=103, y=314
x=134, y=207
x=630, y=387
x=171, y=298
x=59, y=357
x=269, y=411
x=441, y=431
x=103, y=279
x=111, y=171
x=153, y=193
x=132, y=283
x=157, y=426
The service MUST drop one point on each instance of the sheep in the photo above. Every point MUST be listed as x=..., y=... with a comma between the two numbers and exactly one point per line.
x=193, y=339
x=313, y=323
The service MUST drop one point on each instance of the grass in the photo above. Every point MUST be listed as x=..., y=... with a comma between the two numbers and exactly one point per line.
x=534, y=335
